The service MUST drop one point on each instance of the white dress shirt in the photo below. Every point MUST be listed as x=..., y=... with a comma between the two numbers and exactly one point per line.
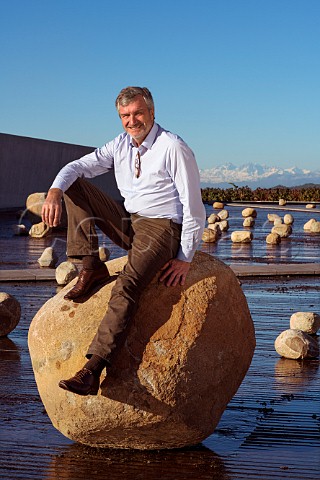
x=168, y=185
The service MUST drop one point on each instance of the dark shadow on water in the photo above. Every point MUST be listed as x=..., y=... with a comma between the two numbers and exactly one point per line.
x=83, y=463
x=9, y=350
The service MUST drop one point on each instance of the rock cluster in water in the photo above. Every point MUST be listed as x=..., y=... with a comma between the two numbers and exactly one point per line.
x=298, y=342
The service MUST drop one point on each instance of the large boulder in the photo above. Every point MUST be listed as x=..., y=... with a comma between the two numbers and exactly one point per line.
x=186, y=353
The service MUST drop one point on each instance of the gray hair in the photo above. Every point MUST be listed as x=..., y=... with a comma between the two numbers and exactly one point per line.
x=128, y=94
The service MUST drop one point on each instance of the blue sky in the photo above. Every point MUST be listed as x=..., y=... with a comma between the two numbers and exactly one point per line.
x=237, y=79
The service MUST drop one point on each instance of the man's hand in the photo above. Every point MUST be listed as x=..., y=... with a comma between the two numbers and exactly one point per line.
x=174, y=272
x=52, y=208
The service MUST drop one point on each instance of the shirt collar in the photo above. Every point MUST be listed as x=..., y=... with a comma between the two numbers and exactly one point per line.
x=150, y=138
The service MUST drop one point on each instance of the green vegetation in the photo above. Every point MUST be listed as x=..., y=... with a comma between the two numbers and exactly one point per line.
x=236, y=194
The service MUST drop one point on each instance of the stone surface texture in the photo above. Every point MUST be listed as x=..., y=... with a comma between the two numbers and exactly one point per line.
x=241, y=236
x=273, y=239
x=273, y=216
x=283, y=230
x=308, y=224
x=215, y=227
x=277, y=221
x=186, y=353
x=223, y=225
x=218, y=205
x=39, y=230
x=34, y=204
x=210, y=235
x=288, y=219
x=248, y=222
x=296, y=344
x=308, y=322
x=249, y=212
x=66, y=272
x=48, y=258
x=315, y=227
x=104, y=254
x=10, y=312
x=213, y=218
x=223, y=214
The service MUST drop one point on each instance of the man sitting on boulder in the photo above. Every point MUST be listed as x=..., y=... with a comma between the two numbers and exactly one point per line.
x=160, y=223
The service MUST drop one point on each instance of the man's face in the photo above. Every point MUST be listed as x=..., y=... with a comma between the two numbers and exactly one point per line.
x=137, y=119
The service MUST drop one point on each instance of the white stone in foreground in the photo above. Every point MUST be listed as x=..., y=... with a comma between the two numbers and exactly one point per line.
x=241, y=236
x=48, y=258
x=65, y=272
x=296, y=344
x=186, y=353
x=308, y=322
x=39, y=230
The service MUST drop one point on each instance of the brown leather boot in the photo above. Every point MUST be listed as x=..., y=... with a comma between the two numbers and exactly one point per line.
x=85, y=382
x=88, y=279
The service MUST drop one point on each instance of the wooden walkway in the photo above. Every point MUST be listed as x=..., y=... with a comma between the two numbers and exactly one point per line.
x=241, y=270
x=269, y=431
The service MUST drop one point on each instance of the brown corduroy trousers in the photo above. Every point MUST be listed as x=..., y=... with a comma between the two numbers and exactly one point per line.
x=150, y=243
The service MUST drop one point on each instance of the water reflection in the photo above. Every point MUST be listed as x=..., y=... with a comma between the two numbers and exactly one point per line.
x=292, y=376
x=196, y=463
x=239, y=250
x=8, y=350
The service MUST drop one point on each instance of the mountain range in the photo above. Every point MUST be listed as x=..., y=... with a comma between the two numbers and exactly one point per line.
x=255, y=175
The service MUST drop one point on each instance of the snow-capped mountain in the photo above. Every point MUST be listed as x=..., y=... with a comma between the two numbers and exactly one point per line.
x=255, y=175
